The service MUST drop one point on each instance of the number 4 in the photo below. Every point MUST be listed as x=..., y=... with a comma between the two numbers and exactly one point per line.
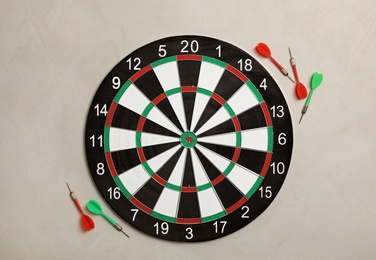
x=263, y=84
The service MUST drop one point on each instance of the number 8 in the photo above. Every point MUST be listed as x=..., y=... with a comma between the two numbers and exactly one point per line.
x=100, y=169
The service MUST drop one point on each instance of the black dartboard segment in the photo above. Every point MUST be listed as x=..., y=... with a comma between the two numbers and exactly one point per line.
x=189, y=138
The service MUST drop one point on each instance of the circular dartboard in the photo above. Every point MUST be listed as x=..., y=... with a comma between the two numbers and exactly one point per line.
x=189, y=138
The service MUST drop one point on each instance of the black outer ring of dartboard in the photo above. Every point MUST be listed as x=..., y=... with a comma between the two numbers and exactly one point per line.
x=272, y=97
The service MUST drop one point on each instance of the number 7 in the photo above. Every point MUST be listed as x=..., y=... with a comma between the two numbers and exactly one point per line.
x=134, y=214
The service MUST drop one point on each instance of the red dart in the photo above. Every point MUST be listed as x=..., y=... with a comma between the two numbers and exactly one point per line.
x=86, y=222
x=300, y=89
x=264, y=50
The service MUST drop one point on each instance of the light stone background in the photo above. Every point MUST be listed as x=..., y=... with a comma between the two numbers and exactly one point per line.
x=54, y=55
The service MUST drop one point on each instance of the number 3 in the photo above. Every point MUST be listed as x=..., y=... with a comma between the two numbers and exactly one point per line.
x=190, y=233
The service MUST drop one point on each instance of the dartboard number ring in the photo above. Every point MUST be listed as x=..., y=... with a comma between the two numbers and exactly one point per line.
x=188, y=138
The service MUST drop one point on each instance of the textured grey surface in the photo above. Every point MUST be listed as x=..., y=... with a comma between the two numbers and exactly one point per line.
x=53, y=56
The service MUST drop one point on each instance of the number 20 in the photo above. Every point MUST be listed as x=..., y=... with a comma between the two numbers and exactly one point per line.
x=193, y=47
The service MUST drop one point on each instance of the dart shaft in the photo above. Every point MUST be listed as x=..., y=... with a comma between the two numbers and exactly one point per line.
x=309, y=98
x=78, y=205
x=281, y=69
x=75, y=200
x=293, y=65
x=279, y=66
x=109, y=219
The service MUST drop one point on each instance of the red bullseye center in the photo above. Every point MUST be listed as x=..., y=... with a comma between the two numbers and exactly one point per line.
x=188, y=139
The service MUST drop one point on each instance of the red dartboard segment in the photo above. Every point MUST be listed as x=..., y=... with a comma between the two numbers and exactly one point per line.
x=164, y=192
x=159, y=99
x=111, y=114
x=218, y=98
x=158, y=179
x=141, y=124
x=189, y=57
x=236, y=123
x=188, y=189
x=218, y=179
x=266, y=114
x=236, y=205
x=140, y=73
x=141, y=205
x=188, y=220
x=111, y=165
x=141, y=155
x=237, y=73
x=188, y=89
x=266, y=164
x=236, y=154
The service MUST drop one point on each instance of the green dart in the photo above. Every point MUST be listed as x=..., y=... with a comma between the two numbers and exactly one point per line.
x=94, y=207
x=315, y=83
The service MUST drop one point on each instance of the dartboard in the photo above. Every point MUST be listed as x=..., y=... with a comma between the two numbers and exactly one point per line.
x=188, y=138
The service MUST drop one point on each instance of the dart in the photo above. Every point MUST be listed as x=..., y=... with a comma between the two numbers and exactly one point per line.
x=86, y=222
x=264, y=50
x=315, y=83
x=300, y=89
x=95, y=208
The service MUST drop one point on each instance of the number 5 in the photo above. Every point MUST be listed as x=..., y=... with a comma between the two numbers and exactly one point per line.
x=162, y=51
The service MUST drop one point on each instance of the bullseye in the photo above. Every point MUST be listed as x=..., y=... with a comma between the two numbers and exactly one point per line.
x=188, y=139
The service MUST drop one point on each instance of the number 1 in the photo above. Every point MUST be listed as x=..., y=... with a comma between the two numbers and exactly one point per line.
x=219, y=50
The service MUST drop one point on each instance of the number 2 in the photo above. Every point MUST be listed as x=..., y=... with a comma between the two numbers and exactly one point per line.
x=246, y=210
